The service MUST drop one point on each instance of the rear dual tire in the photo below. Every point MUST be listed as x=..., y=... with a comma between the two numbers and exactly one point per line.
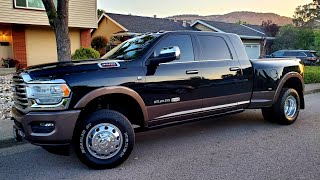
x=286, y=110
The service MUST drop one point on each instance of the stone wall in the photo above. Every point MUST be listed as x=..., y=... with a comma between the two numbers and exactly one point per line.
x=6, y=99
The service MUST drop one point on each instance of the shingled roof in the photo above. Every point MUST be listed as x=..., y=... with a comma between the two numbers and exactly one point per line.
x=140, y=24
x=243, y=30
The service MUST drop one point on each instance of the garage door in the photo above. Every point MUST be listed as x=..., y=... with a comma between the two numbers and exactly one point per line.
x=253, y=50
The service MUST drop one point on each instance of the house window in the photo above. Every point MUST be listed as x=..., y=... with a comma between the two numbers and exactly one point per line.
x=31, y=4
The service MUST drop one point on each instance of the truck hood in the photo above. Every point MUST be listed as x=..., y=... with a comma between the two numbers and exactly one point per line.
x=54, y=70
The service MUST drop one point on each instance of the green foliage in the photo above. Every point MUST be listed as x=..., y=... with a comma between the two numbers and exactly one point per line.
x=316, y=45
x=290, y=37
x=100, y=12
x=305, y=15
x=99, y=42
x=286, y=38
x=312, y=74
x=85, y=53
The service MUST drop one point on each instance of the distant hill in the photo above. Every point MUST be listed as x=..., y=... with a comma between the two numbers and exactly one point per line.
x=233, y=17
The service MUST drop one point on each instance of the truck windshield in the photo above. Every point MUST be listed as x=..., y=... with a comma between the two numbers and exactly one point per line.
x=132, y=48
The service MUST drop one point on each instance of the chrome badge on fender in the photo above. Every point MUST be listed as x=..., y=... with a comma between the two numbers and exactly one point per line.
x=109, y=64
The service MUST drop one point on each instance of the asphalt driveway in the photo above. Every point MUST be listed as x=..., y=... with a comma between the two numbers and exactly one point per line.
x=241, y=146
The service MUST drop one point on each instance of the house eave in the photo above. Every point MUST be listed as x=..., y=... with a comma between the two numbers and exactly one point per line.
x=206, y=24
x=104, y=15
x=256, y=37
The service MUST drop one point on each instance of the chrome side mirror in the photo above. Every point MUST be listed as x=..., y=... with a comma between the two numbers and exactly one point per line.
x=171, y=52
x=166, y=55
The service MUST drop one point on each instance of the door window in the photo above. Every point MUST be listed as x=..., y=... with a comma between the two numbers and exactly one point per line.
x=214, y=48
x=184, y=42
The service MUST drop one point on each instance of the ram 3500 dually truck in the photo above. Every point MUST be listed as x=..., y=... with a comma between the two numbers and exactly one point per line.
x=149, y=81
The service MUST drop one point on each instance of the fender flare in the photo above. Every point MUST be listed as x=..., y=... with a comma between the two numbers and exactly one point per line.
x=113, y=90
x=284, y=80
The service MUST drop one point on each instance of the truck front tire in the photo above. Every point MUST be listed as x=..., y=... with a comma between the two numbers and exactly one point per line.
x=104, y=140
x=286, y=110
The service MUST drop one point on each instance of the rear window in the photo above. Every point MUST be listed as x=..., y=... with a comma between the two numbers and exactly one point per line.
x=310, y=54
x=213, y=48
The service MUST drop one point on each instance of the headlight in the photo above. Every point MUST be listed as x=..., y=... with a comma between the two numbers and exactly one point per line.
x=47, y=94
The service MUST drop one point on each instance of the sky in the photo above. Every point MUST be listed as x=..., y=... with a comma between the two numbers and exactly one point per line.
x=164, y=8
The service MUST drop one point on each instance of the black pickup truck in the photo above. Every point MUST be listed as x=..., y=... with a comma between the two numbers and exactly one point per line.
x=149, y=81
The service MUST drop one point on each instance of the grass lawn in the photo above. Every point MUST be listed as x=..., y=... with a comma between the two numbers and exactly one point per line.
x=312, y=74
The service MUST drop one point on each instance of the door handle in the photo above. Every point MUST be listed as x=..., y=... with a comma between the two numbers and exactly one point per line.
x=235, y=69
x=192, y=72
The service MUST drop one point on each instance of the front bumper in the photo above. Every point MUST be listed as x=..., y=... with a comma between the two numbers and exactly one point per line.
x=64, y=124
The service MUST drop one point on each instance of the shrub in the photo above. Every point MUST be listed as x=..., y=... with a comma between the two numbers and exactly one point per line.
x=85, y=53
x=312, y=74
x=99, y=42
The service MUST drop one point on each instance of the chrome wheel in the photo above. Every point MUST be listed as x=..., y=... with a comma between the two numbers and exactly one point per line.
x=104, y=141
x=290, y=107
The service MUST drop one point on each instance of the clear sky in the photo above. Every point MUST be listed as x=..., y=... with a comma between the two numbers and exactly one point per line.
x=164, y=8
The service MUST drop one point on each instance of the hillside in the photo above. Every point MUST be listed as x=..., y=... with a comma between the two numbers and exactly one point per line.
x=248, y=17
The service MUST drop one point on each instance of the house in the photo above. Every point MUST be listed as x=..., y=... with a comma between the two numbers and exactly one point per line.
x=253, y=36
x=119, y=27
x=26, y=36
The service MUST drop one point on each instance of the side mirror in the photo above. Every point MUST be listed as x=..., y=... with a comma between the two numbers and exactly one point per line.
x=166, y=55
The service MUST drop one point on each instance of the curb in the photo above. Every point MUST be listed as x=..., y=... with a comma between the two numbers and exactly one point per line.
x=312, y=91
x=5, y=143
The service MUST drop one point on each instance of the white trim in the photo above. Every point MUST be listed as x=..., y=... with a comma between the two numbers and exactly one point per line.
x=203, y=109
x=208, y=25
x=256, y=37
x=104, y=15
x=253, y=29
x=32, y=8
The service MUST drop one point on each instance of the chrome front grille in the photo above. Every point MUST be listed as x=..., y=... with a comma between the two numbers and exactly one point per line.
x=20, y=94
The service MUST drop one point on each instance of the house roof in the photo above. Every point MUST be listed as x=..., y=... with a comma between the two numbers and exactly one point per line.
x=140, y=24
x=245, y=31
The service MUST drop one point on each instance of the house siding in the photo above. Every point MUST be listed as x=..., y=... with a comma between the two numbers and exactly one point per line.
x=41, y=44
x=82, y=14
x=106, y=28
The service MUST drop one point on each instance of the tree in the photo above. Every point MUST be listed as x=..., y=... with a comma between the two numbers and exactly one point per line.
x=58, y=17
x=290, y=37
x=305, y=15
x=270, y=28
x=100, y=12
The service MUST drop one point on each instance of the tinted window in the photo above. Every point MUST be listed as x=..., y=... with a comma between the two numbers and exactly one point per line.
x=309, y=54
x=288, y=53
x=213, y=48
x=294, y=54
x=278, y=54
x=132, y=48
x=184, y=42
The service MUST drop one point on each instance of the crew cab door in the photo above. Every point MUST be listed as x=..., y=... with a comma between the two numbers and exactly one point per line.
x=222, y=85
x=171, y=88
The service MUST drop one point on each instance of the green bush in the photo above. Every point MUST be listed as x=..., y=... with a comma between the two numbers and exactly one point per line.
x=312, y=74
x=290, y=37
x=85, y=53
x=99, y=42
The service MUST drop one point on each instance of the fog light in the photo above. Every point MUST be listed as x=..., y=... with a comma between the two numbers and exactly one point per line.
x=47, y=124
x=42, y=127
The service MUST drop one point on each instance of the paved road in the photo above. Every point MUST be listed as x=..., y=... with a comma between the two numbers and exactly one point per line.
x=241, y=146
